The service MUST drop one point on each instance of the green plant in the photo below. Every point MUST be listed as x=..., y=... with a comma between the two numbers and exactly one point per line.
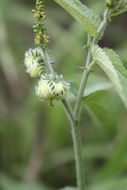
x=52, y=86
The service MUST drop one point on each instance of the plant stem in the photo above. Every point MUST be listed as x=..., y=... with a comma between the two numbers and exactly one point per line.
x=82, y=87
x=74, y=117
x=78, y=157
x=103, y=25
x=75, y=129
x=66, y=105
x=75, y=134
x=77, y=146
x=68, y=111
x=88, y=61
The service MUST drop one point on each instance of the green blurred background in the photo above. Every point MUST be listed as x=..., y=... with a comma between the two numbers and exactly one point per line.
x=35, y=140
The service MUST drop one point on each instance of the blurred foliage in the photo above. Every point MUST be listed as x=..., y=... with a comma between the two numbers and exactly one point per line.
x=35, y=142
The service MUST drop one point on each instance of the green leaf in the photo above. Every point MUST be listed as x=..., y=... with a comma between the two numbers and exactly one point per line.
x=96, y=87
x=112, y=184
x=69, y=188
x=117, y=161
x=7, y=183
x=111, y=64
x=100, y=106
x=82, y=14
x=74, y=88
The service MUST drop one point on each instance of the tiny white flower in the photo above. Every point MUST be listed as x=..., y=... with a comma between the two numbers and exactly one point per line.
x=34, y=62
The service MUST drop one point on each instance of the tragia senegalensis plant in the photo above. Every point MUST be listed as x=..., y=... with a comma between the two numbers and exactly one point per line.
x=52, y=86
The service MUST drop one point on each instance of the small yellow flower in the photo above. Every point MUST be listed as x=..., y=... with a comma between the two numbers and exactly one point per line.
x=38, y=38
x=43, y=15
x=46, y=39
x=36, y=14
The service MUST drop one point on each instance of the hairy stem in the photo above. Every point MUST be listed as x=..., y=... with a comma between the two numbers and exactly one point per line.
x=78, y=157
x=88, y=61
x=77, y=146
x=82, y=87
x=103, y=25
x=75, y=130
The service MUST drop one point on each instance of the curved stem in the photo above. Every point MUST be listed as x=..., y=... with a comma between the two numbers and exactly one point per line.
x=68, y=111
x=77, y=146
x=66, y=105
x=75, y=134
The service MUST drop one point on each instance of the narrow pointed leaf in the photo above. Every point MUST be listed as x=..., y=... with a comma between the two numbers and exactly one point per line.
x=82, y=14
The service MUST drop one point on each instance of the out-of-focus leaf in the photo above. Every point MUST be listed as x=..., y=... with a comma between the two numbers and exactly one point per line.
x=74, y=88
x=8, y=184
x=112, y=184
x=117, y=162
x=111, y=64
x=94, y=83
x=64, y=157
x=100, y=86
x=69, y=188
x=100, y=105
x=82, y=14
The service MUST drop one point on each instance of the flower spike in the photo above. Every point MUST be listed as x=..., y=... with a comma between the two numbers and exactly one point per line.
x=41, y=38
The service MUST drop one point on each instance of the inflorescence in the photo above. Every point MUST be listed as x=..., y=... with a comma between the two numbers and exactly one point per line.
x=50, y=86
x=41, y=38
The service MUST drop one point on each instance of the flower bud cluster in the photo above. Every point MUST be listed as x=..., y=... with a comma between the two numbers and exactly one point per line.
x=49, y=86
x=52, y=87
